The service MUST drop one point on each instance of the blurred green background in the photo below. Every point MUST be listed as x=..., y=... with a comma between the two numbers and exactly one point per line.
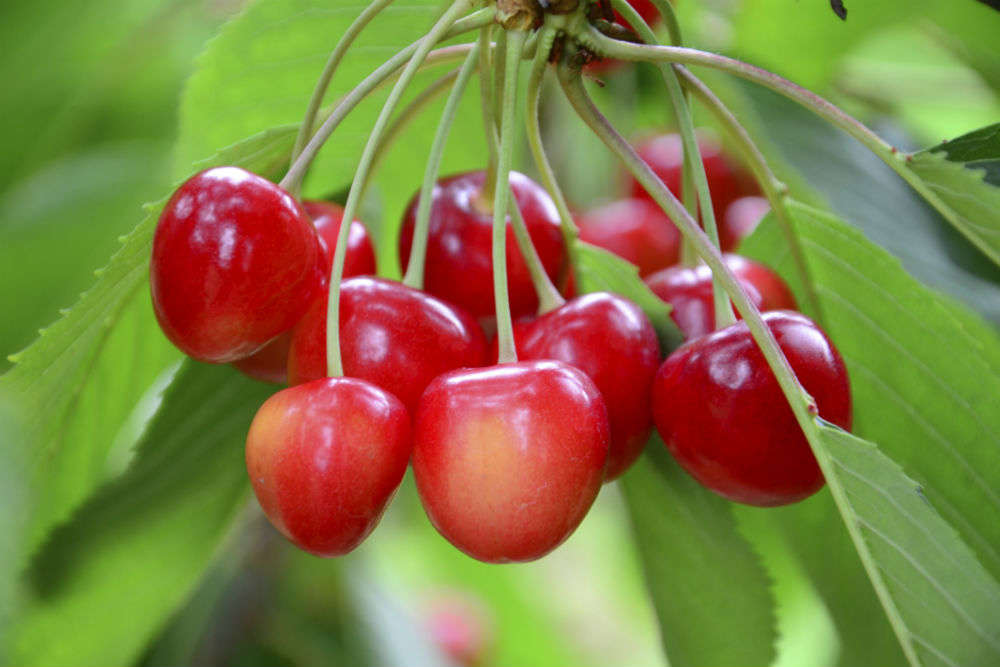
x=90, y=116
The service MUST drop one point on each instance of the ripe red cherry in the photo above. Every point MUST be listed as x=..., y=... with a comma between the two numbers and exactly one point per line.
x=324, y=459
x=688, y=290
x=394, y=336
x=721, y=413
x=459, y=256
x=611, y=340
x=741, y=218
x=635, y=230
x=235, y=263
x=665, y=155
x=327, y=218
x=270, y=363
x=508, y=459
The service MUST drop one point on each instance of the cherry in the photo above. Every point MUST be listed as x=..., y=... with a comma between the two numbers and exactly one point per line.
x=459, y=250
x=235, y=263
x=688, y=289
x=461, y=628
x=327, y=218
x=635, y=230
x=394, y=336
x=611, y=340
x=325, y=458
x=647, y=10
x=270, y=363
x=723, y=416
x=508, y=459
x=740, y=219
x=665, y=155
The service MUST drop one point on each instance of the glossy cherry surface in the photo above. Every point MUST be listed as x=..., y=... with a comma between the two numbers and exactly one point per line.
x=611, y=340
x=634, y=229
x=391, y=335
x=721, y=413
x=665, y=155
x=688, y=290
x=740, y=219
x=325, y=458
x=459, y=266
x=327, y=218
x=508, y=459
x=235, y=263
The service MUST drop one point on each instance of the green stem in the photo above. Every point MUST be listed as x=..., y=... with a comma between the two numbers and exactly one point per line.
x=418, y=251
x=346, y=40
x=293, y=179
x=334, y=364
x=549, y=297
x=775, y=191
x=669, y=17
x=692, y=156
x=803, y=407
x=505, y=327
x=539, y=66
x=486, y=95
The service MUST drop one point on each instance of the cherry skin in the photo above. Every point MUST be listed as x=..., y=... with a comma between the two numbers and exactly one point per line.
x=325, y=458
x=459, y=244
x=688, y=290
x=235, y=263
x=726, y=183
x=611, y=340
x=740, y=219
x=509, y=458
x=722, y=415
x=327, y=218
x=635, y=230
x=270, y=363
x=391, y=335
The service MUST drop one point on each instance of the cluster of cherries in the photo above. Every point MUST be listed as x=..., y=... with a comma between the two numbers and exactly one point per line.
x=507, y=457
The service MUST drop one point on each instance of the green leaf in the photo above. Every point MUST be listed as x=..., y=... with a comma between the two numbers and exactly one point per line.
x=598, y=270
x=965, y=176
x=106, y=580
x=943, y=604
x=260, y=72
x=711, y=594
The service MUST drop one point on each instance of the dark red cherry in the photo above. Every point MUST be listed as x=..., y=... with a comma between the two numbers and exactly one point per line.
x=325, y=458
x=688, y=290
x=459, y=266
x=327, y=218
x=391, y=335
x=665, y=155
x=741, y=218
x=508, y=459
x=635, y=230
x=235, y=263
x=269, y=363
x=611, y=340
x=647, y=10
x=721, y=413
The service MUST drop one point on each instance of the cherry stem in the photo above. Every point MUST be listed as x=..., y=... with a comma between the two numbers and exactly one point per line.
x=418, y=251
x=293, y=179
x=799, y=400
x=775, y=191
x=346, y=40
x=486, y=95
x=438, y=31
x=505, y=327
x=549, y=297
x=693, y=164
x=539, y=66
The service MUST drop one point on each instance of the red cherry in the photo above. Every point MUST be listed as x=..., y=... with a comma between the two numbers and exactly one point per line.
x=327, y=218
x=324, y=459
x=635, y=230
x=461, y=628
x=508, y=459
x=723, y=416
x=270, y=363
x=741, y=218
x=647, y=10
x=688, y=289
x=391, y=335
x=665, y=155
x=235, y=263
x=611, y=340
x=459, y=249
